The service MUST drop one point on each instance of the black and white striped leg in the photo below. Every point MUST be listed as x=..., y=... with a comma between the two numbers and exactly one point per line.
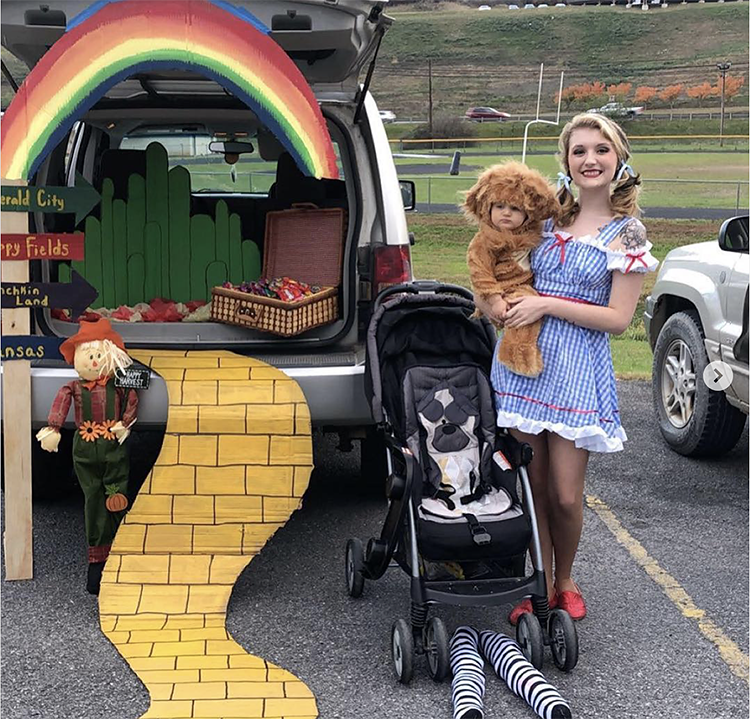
x=520, y=675
x=467, y=666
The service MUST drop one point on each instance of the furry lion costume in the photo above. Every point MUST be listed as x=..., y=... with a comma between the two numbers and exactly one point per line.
x=499, y=259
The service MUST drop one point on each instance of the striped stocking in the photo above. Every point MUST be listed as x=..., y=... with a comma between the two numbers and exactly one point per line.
x=467, y=666
x=521, y=676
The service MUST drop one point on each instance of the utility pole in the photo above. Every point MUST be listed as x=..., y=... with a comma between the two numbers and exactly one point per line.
x=429, y=81
x=723, y=68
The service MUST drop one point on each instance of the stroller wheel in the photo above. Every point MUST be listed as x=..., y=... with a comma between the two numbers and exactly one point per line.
x=436, y=649
x=530, y=639
x=563, y=640
x=355, y=563
x=402, y=651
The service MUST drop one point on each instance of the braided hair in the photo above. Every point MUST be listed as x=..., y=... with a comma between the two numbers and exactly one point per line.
x=625, y=191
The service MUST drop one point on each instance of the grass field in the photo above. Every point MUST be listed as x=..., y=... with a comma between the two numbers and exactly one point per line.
x=440, y=253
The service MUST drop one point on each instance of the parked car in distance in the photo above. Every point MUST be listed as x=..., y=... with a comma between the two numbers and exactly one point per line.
x=482, y=114
x=697, y=313
x=484, y=7
x=387, y=115
x=617, y=110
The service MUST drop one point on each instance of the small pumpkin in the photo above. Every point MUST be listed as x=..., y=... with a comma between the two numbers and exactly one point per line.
x=116, y=502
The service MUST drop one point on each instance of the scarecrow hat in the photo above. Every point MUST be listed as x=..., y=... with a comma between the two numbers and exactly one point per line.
x=101, y=329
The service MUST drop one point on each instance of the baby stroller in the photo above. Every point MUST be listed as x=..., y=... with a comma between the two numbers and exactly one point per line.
x=455, y=523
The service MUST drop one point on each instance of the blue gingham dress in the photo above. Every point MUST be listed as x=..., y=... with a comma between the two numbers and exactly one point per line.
x=575, y=395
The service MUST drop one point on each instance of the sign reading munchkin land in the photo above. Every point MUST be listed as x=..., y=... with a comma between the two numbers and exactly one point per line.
x=77, y=294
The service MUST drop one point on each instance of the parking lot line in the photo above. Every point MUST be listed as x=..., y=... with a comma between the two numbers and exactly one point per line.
x=737, y=661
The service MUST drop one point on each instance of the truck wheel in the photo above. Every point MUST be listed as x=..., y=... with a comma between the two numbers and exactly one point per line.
x=373, y=462
x=694, y=420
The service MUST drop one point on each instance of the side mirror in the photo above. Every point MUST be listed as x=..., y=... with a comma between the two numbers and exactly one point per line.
x=230, y=147
x=408, y=194
x=733, y=235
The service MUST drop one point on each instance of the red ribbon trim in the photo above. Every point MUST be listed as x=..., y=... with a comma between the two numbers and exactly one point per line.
x=560, y=242
x=567, y=299
x=634, y=259
x=554, y=406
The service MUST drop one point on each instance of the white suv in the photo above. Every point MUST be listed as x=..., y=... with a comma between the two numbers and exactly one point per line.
x=331, y=43
x=698, y=313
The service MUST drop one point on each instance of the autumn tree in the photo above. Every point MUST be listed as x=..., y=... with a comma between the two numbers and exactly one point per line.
x=732, y=85
x=568, y=96
x=702, y=91
x=620, y=90
x=644, y=94
x=670, y=93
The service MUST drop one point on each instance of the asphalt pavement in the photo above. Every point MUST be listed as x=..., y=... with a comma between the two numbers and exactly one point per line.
x=645, y=650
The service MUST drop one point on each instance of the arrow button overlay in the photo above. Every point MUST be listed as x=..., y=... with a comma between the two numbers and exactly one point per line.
x=718, y=375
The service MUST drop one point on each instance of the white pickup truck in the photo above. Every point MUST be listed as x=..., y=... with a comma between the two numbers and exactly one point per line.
x=697, y=313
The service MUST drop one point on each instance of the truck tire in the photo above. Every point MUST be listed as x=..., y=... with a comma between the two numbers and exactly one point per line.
x=694, y=420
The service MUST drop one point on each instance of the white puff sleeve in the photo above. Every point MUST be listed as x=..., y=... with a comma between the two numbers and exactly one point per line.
x=632, y=251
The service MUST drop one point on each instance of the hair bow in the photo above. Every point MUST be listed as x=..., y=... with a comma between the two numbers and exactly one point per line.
x=624, y=167
x=563, y=179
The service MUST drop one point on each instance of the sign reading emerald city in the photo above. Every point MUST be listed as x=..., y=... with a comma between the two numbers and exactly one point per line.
x=79, y=200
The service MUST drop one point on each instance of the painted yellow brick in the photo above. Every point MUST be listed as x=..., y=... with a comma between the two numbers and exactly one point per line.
x=182, y=419
x=291, y=707
x=297, y=690
x=228, y=708
x=246, y=661
x=185, y=621
x=189, y=569
x=147, y=664
x=223, y=419
x=245, y=392
x=177, y=479
x=198, y=449
x=107, y=623
x=251, y=690
x=199, y=392
x=169, y=710
x=144, y=569
x=277, y=674
x=301, y=480
x=167, y=598
x=153, y=508
x=186, y=362
x=226, y=647
x=118, y=637
x=171, y=373
x=203, y=662
x=164, y=538
x=193, y=509
x=223, y=539
x=288, y=390
x=113, y=564
x=200, y=690
x=256, y=536
x=238, y=509
x=225, y=570
x=179, y=649
x=119, y=598
x=168, y=454
x=208, y=598
x=291, y=450
x=215, y=620
x=233, y=675
x=155, y=635
x=160, y=692
x=130, y=538
x=174, y=676
x=270, y=419
x=142, y=621
x=266, y=373
x=302, y=418
x=242, y=449
x=238, y=373
x=274, y=481
x=220, y=480
x=174, y=390
x=279, y=509
x=188, y=635
x=238, y=361
x=135, y=650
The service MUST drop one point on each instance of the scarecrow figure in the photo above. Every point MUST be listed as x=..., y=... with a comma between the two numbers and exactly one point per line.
x=103, y=416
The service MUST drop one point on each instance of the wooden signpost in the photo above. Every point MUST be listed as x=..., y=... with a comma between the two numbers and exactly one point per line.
x=17, y=247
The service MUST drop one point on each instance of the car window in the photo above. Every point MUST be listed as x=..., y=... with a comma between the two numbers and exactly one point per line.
x=251, y=174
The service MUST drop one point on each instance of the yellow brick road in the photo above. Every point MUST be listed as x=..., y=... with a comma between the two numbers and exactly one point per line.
x=235, y=462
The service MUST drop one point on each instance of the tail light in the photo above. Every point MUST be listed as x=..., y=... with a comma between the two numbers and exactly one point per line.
x=392, y=266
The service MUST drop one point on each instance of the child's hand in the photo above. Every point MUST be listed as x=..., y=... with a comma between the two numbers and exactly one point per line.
x=498, y=309
x=525, y=311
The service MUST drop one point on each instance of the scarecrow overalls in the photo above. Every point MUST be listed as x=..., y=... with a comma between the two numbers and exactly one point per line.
x=100, y=461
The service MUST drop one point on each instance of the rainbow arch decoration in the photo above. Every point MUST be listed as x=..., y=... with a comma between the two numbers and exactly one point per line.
x=114, y=39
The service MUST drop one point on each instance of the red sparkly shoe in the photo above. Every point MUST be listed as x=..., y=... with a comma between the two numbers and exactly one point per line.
x=524, y=607
x=573, y=603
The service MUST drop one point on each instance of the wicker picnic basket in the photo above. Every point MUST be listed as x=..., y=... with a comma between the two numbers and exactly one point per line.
x=306, y=244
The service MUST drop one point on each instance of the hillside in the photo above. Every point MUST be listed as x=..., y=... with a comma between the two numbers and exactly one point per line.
x=493, y=57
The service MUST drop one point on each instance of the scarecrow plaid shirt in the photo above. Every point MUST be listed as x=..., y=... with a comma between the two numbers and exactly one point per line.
x=71, y=392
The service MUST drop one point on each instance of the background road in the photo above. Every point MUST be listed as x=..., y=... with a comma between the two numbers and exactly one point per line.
x=641, y=657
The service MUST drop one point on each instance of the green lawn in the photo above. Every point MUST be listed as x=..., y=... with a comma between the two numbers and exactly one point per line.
x=440, y=253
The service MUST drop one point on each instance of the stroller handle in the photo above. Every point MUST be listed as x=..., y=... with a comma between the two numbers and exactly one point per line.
x=424, y=287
